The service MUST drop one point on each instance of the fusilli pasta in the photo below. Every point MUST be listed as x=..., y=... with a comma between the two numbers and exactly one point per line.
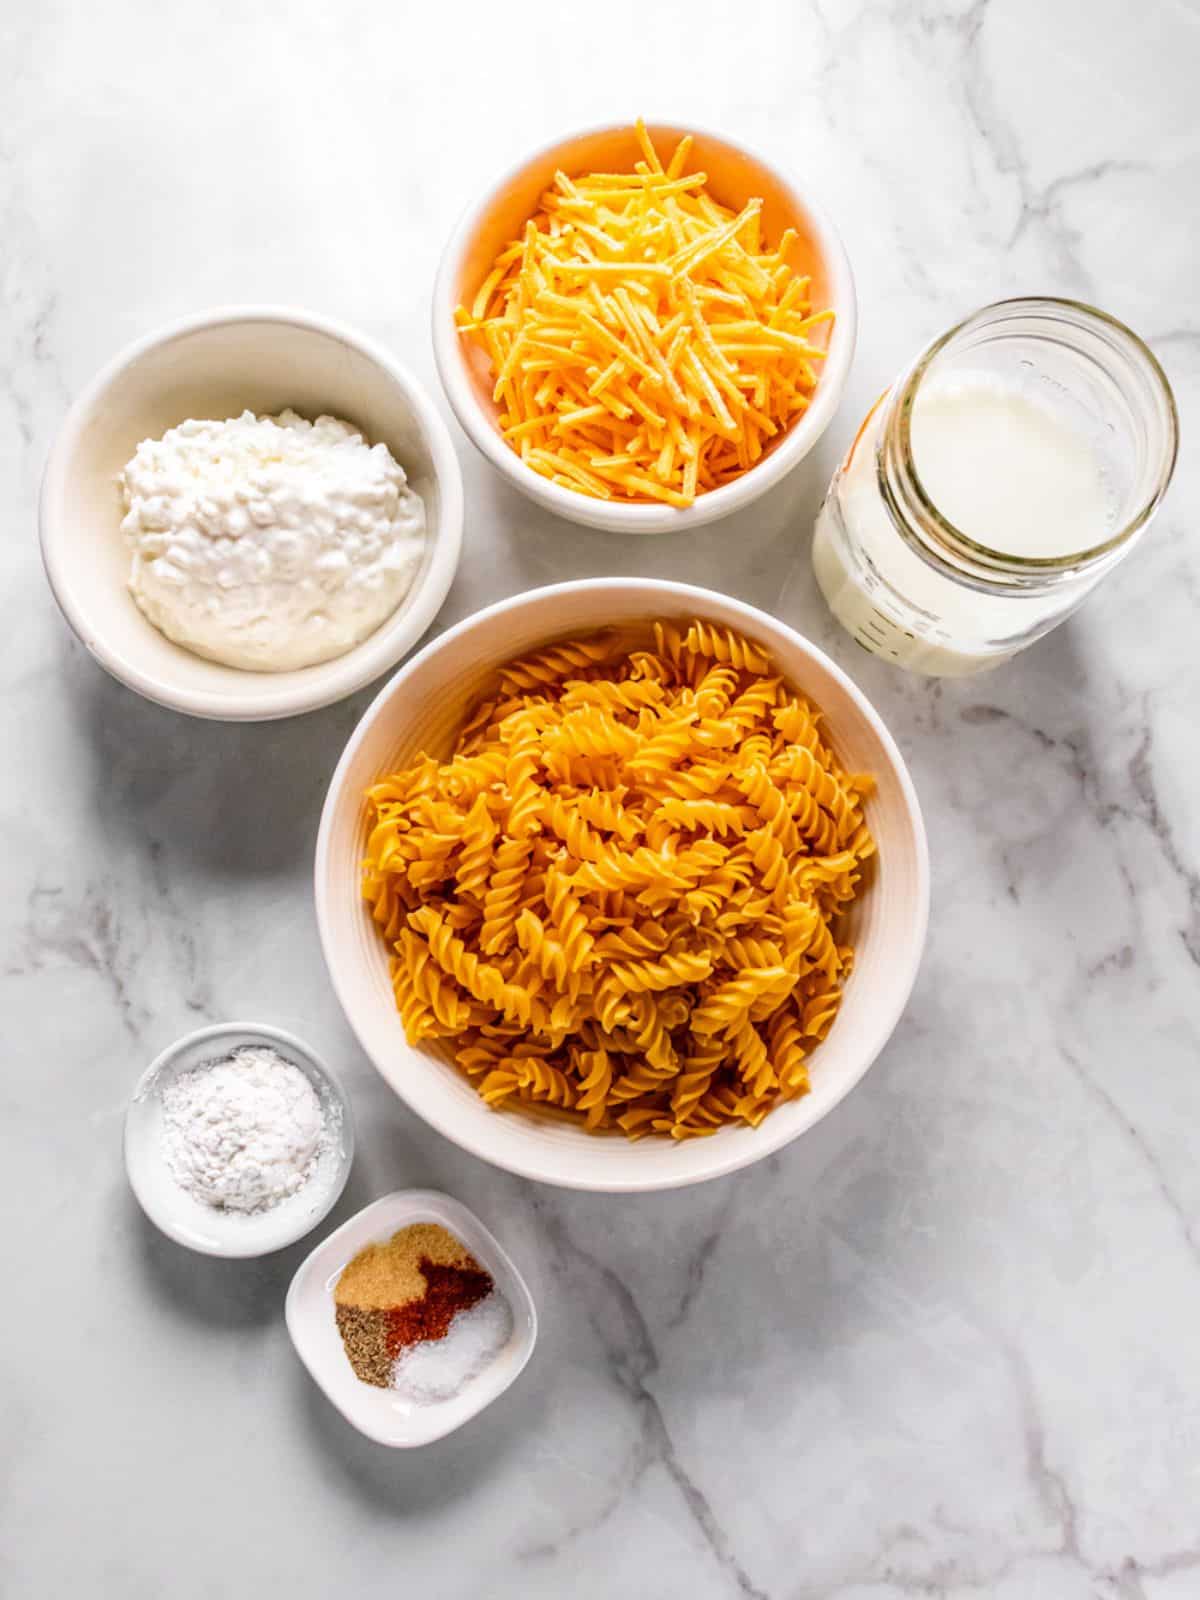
x=617, y=901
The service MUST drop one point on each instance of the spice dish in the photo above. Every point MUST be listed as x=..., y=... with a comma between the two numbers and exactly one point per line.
x=424, y=707
x=421, y=1406
x=734, y=177
x=217, y=366
x=238, y=1140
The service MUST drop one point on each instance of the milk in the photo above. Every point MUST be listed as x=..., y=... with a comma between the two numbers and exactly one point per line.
x=1008, y=471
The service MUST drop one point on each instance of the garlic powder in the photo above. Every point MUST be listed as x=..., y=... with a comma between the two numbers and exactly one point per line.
x=269, y=543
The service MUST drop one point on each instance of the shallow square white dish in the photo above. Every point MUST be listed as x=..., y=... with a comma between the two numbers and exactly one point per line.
x=382, y=1414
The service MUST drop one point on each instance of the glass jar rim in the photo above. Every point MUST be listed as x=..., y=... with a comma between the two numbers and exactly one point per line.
x=952, y=537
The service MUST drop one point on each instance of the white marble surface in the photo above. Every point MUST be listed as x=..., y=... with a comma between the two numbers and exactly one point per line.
x=949, y=1345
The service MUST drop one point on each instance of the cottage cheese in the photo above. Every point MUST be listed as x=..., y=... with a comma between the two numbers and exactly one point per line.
x=269, y=543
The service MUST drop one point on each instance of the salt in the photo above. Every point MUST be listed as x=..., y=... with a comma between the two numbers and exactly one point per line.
x=439, y=1369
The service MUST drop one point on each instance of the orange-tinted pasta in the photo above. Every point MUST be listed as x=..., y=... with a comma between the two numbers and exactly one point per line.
x=618, y=899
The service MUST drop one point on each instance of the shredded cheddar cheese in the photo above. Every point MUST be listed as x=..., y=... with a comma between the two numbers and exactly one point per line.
x=644, y=341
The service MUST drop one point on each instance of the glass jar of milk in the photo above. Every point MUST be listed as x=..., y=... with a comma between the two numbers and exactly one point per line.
x=994, y=484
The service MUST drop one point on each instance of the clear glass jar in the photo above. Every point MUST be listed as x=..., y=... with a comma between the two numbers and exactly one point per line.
x=1053, y=433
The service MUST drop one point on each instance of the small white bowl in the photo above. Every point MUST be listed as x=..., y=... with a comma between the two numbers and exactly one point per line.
x=423, y=707
x=217, y=365
x=735, y=175
x=205, y=1228
x=382, y=1414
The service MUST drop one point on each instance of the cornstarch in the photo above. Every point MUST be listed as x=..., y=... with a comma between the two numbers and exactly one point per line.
x=243, y=1132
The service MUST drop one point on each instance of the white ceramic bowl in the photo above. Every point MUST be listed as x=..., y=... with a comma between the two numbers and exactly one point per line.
x=422, y=707
x=228, y=1233
x=382, y=1414
x=735, y=175
x=217, y=365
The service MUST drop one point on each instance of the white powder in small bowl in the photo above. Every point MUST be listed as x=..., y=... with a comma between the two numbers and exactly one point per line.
x=243, y=1132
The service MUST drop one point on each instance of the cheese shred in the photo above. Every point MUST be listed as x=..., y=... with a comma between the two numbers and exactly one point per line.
x=645, y=344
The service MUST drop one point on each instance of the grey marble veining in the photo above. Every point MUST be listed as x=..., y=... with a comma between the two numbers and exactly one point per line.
x=947, y=1345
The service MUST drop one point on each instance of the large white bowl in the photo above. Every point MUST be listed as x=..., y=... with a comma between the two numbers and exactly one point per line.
x=735, y=175
x=218, y=365
x=422, y=707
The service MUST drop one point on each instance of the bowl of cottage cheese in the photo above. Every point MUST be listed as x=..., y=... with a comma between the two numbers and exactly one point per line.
x=251, y=514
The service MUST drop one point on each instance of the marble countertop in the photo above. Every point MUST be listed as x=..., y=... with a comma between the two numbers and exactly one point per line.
x=947, y=1344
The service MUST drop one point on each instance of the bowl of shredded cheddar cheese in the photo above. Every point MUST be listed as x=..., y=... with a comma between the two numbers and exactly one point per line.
x=622, y=884
x=644, y=328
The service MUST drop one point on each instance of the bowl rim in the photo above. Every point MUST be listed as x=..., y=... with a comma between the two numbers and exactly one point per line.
x=768, y=1136
x=289, y=1044
x=265, y=698
x=637, y=518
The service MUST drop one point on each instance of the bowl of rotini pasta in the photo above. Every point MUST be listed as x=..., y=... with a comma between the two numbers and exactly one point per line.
x=622, y=884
